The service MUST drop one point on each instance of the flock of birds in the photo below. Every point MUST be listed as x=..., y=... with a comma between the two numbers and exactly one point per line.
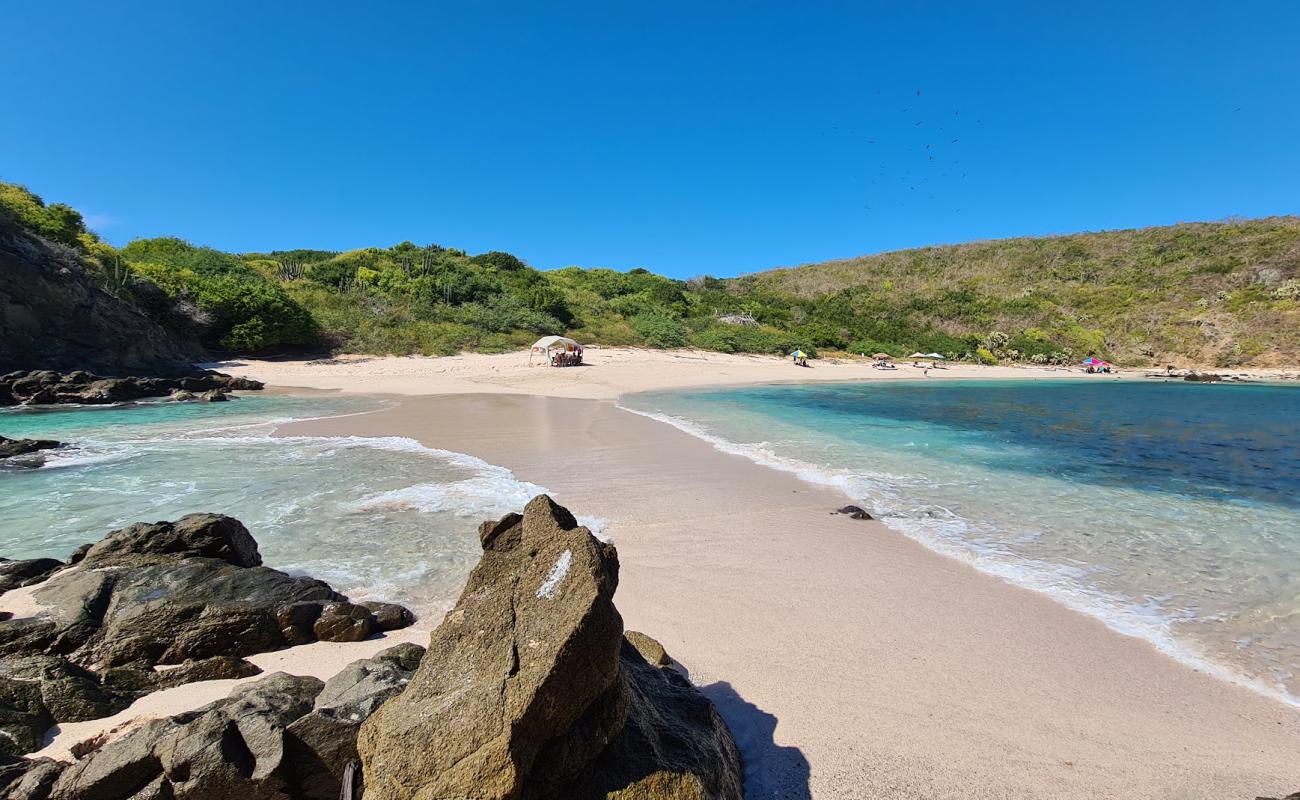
x=918, y=144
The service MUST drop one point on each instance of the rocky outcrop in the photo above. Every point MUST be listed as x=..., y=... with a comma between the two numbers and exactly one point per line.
x=21, y=447
x=26, y=572
x=53, y=316
x=191, y=595
x=529, y=689
x=48, y=387
x=282, y=737
x=854, y=512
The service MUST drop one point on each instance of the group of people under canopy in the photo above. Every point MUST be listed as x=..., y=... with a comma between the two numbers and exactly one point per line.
x=931, y=359
x=559, y=351
x=1094, y=365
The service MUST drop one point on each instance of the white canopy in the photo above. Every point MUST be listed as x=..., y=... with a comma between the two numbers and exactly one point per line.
x=548, y=343
x=935, y=355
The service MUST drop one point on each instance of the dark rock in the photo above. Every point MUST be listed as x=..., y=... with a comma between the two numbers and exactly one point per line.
x=1202, y=377
x=164, y=594
x=16, y=574
x=24, y=719
x=19, y=447
x=1292, y=796
x=234, y=748
x=344, y=622
x=29, y=779
x=80, y=553
x=322, y=743
x=528, y=688
x=215, y=668
x=241, y=384
x=48, y=388
x=54, y=316
x=855, y=512
x=390, y=616
x=206, y=535
x=214, y=396
x=297, y=621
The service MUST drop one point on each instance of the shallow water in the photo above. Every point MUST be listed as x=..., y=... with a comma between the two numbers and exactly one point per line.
x=1170, y=511
x=376, y=517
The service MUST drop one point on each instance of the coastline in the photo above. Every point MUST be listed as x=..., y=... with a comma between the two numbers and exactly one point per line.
x=850, y=660
x=611, y=372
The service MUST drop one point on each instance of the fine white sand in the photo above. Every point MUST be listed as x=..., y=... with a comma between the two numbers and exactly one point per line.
x=850, y=661
x=608, y=373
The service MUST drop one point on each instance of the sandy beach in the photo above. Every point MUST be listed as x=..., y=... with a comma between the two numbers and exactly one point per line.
x=613, y=371
x=850, y=661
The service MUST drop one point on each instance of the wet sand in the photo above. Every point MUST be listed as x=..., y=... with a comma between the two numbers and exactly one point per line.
x=850, y=661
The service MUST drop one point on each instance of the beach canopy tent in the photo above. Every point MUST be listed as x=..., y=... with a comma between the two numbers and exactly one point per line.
x=883, y=357
x=550, y=344
x=935, y=356
x=916, y=356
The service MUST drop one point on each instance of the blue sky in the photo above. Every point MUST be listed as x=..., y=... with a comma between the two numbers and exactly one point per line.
x=685, y=138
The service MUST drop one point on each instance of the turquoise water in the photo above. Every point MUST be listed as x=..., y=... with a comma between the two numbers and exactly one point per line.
x=376, y=517
x=1170, y=511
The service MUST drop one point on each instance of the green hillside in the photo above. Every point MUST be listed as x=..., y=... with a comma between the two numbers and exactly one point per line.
x=1214, y=293
x=1221, y=293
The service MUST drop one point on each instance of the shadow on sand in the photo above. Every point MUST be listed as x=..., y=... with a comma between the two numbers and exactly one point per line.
x=771, y=771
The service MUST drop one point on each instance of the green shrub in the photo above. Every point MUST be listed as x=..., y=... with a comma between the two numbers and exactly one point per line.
x=984, y=356
x=659, y=331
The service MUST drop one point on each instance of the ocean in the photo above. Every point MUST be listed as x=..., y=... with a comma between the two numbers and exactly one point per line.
x=377, y=517
x=1170, y=511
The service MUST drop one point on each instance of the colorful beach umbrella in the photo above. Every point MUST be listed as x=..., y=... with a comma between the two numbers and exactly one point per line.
x=1092, y=362
x=798, y=354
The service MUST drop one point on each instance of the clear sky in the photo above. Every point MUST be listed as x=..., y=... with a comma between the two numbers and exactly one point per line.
x=685, y=138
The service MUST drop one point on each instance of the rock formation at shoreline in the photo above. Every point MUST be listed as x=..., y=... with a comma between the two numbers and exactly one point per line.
x=282, y=737
x=52, y=315
x=9, y=448
x=48, y=387
x=190, y=593
x=529, y=689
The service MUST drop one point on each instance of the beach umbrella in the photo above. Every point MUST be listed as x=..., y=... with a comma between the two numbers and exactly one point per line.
x=1091, y=362
x=918, y=355
x=799, y=354
x=882, y=356
x=935, y=356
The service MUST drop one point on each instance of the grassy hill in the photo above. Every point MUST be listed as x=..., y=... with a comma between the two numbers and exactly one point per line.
x=1216, y=293
x=1221, y=293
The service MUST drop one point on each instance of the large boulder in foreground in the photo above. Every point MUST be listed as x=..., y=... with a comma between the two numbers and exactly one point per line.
x=529, y=690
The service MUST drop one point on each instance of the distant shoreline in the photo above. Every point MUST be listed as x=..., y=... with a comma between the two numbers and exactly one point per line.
x=614, y=371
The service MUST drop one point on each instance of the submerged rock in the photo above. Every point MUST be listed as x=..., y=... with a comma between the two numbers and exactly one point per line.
x=10, y=448
x=528, y=688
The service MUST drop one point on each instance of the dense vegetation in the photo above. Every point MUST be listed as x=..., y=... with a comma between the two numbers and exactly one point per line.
x=1223, y=293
